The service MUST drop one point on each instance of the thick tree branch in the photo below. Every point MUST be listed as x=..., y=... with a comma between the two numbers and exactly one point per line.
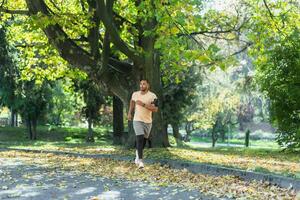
x=35, y=44
x=14, y=12
x=94, y=35
x=80, y=39
x=120, y=66
x=123, y=20
x=80, y=58
x=66, y=47
x=119, y=21
x=105, y=52
x=115, y=37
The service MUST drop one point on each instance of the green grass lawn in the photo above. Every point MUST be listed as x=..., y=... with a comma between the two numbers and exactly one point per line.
x=252, y=143
x=52, y=136
x=272, y=160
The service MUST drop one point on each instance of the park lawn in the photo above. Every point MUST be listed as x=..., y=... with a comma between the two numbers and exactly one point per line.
x=262, y=160
x=252, y=143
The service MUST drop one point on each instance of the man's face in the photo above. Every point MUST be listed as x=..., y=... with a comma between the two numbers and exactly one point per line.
x=143, y=86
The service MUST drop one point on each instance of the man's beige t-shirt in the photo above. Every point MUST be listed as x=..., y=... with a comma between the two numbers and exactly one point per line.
x=141, y=113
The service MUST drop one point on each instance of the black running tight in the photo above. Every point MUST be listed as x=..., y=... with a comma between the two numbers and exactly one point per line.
x=140, y=145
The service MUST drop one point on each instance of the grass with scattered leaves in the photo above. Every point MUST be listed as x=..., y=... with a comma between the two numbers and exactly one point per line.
x=261, y=160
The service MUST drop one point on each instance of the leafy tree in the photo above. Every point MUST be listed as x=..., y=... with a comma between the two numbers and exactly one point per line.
x=246, y=108
x=215, y=109
x=280, y=78
x=178, y=96
x=275, y=33
x=21, y=95
x=65, y=103
x=8, y=75
x=34, y=101
x=221, y=110
x=94, y=98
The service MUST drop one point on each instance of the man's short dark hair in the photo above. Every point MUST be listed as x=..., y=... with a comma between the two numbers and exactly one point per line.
x=144, y=79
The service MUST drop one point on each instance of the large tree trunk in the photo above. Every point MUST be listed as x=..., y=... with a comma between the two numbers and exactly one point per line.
x=12, y=117
x=214, y=135
x=28, y=124
x=16, y=120
x=223, y=134
x=33, y=128
x=158, y=136
x=90, y=135
x=214, y=138
x=247, y=138
x=118, y=121
x=188, y=130
x=151, y=71
x=130, y=136
x=58, y=118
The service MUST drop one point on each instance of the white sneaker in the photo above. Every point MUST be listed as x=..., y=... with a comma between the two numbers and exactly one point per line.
x=141, y=164
x=136, y=161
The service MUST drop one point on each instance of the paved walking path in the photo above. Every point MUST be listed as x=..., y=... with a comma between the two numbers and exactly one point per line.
x=19, y=180
x=202, y=168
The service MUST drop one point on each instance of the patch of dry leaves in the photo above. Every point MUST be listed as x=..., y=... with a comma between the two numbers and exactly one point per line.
x=279, y=165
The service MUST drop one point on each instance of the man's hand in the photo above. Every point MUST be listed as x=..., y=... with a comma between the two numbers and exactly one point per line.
x=138, y=102
x=129, y=116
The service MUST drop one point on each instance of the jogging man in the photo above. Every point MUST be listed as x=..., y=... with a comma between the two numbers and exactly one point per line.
x=143, y=103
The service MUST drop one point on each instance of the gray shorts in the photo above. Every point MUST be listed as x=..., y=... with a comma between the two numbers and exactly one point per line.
x=142, y=128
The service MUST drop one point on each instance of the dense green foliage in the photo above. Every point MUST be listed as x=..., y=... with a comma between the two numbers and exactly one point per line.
x=8, y=73
x=280, y=78
x=276, y=53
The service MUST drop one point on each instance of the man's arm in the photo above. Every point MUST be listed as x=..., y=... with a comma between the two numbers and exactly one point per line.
x=131, y=109
x=152, y=107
